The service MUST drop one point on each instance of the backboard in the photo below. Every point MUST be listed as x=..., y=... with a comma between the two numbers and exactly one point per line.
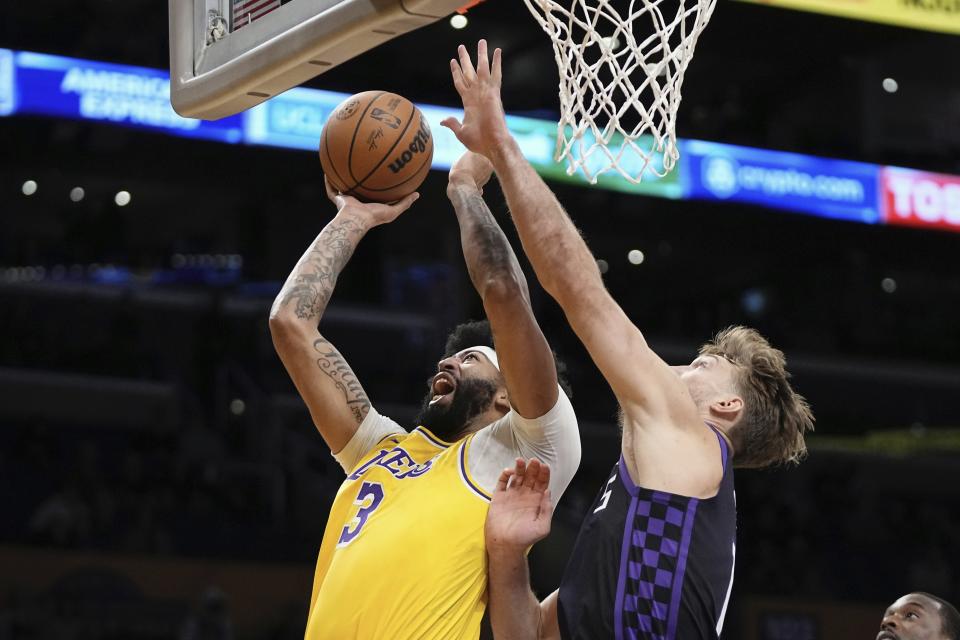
x=229, y=55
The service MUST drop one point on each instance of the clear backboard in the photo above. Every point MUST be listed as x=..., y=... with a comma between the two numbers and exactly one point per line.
x=229, y=55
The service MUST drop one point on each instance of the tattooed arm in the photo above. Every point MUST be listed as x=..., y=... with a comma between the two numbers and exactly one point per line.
x=334, y=396
x=525, y=358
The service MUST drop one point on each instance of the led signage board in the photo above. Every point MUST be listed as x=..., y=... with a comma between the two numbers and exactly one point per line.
x=818, y=186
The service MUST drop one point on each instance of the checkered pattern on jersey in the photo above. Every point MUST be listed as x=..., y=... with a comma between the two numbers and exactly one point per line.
x=652, y=565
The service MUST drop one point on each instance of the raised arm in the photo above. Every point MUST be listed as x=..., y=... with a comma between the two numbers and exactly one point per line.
x=525, y=358
x=519, y=516
x=333, y=394
x=562, y=261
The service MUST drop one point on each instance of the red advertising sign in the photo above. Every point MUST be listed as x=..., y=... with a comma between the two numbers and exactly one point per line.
x=919, y=199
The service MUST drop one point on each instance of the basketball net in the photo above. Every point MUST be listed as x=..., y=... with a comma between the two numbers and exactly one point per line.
x=620, y=77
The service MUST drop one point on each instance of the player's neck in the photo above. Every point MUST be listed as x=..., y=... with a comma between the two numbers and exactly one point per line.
x=724, y=427
x=480, y=421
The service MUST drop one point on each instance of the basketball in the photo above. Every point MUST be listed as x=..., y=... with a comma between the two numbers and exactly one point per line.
x=376, y=146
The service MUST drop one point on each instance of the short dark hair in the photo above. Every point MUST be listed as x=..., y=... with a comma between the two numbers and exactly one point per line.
x=775, y=417
x=949, y=616
x=477, y=333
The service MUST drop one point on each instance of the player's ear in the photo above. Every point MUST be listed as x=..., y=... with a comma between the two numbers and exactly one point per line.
x=728, y=407
x=502, y=400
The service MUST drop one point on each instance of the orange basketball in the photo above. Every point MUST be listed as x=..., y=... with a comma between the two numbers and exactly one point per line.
x=376, y=146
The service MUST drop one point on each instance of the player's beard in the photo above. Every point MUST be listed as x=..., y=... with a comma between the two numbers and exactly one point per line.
x=447, y=422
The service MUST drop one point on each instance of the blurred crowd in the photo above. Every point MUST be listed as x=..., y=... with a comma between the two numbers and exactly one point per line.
x=840, y=526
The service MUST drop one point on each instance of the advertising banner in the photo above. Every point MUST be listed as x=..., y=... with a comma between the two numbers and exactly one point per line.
x=117, y=94
x=817, y=186
x=6, y=82
x=918, y=199
x=294, y=119
x=43, y=84
x=932, y=15
x=34, y=83
x=538, y=139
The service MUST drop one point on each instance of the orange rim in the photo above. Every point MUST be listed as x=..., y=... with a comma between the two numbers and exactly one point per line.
x=470, y=5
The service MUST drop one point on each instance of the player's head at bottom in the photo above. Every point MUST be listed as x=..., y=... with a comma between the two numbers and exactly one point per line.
x=920, y=616
x=740, y=383
x=468, y=390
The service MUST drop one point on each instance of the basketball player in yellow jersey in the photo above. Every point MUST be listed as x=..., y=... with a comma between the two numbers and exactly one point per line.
x=403, y=552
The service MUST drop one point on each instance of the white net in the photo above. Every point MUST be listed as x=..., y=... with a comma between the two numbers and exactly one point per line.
x=620, y=76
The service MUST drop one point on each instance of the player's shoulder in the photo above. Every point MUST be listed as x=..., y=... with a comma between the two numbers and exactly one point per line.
x=655, y=457
x=561, y=413
x=395, y=438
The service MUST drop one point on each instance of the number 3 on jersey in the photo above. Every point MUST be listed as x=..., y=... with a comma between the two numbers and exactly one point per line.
x=368, y=499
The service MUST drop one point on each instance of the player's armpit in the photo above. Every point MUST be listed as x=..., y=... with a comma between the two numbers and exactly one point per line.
x=553, y=438
x=549, y=622
x=327, y=384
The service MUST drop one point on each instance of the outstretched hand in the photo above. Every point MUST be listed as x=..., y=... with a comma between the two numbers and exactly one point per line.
x=375, y=212
x=520, y=511
x=484, y=126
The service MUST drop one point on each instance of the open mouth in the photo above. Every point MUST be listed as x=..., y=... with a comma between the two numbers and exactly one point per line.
x=887, y=635
x=443, y=385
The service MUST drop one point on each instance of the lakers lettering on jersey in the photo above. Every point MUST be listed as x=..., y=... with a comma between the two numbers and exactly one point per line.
x=403, y=553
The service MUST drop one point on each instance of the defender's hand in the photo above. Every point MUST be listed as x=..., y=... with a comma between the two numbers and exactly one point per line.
x=520, y=511
x=374, y=212
x=471, y=170
x=484, y=127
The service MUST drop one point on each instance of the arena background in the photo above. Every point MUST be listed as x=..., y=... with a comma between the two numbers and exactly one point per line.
x=162, y=479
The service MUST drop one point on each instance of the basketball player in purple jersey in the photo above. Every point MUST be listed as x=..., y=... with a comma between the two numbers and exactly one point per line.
x=920, y=616
x=655, y=556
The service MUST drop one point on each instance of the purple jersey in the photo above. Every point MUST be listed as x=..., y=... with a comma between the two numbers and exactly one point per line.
x=651, y=565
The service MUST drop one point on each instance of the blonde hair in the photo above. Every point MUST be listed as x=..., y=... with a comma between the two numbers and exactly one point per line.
x=775, y=418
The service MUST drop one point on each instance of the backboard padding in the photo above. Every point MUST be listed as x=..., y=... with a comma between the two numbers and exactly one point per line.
x=283, y=49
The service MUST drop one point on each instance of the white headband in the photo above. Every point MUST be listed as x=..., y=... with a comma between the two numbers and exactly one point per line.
x=487, y=351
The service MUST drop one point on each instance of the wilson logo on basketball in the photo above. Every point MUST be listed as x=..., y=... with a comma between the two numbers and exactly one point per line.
x=417, y=146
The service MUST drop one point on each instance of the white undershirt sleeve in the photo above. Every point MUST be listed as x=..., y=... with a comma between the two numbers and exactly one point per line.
x=553, y=438
x=371, y=431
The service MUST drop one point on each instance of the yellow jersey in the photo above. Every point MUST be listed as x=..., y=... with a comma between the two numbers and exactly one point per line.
x=403, y=553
